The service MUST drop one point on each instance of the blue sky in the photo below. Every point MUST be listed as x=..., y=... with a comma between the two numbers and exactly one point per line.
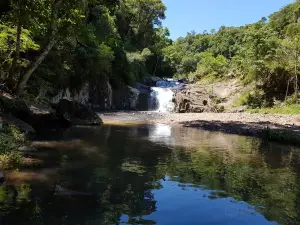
x=199, y=15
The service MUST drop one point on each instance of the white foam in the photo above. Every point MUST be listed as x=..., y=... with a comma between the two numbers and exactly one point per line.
x=164, y=97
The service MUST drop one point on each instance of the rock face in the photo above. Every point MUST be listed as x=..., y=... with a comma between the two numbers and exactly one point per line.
x=125, y=98
x=190, y=100
x=15, y=107
x=150, y=81
x=81, y=95
x=101, y=95
x=18, y=109
x=197, y=99
x=77, y=113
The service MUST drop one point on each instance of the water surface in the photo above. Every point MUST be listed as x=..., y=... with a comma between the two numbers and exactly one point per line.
x=154, y=174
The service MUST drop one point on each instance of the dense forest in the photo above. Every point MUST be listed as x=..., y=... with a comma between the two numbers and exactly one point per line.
x=47, y=45
x=266, y=53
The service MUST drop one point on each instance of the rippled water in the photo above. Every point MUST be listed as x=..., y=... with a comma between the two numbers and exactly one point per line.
x=154, y=174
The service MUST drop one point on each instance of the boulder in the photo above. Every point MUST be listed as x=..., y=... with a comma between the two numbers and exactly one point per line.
x=193, y=100
x=29, y=119
x=15, y=107
x=60, y=191
x=21, y=125
x=151, y=81
x=77, y=113
x=27, y=149
x=182, y=103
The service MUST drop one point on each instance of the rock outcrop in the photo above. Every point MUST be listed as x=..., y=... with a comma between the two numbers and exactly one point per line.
x=197, y=100
x=125, y=98
x=18, y=109
x=213, y=97
x=15, y=107
x=191, y=100
x=21, y=125
x=77, y=113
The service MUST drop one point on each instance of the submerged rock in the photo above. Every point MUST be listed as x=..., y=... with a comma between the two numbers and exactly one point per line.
x=77, y=113
x=27, y=149
x=60, y=191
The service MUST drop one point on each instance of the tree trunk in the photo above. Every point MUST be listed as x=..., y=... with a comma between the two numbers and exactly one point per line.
x=156, y=64
x=47, y=48
x=296, y=76
x=18, y=47
x=23, y=81
x=287, y=90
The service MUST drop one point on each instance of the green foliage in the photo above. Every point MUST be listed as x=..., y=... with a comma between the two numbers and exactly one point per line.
x=137, y=64
x=10, y=139
x=253, y=99
x=265, y=53
x=293, y=109
x=8, y=44
x=210, y=66
x=94, y=40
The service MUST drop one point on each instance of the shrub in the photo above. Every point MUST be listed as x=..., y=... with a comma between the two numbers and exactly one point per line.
x=10, y=139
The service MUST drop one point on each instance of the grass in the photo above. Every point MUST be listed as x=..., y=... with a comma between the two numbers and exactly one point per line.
x=292, y=109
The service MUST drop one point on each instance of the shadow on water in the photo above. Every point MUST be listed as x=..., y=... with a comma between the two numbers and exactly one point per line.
x=155, y=174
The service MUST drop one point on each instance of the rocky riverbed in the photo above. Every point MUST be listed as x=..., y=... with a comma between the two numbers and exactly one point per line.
x=285, y=128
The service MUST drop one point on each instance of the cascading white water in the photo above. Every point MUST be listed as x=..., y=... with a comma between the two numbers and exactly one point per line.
x=163, y=97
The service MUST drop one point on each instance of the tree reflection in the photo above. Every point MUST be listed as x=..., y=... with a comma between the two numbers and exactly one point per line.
x=120, y=167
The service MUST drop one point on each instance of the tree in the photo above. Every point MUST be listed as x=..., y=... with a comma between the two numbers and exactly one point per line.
x=61, y=15
x=289, y=53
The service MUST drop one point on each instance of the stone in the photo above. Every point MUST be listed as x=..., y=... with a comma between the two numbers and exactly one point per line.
x=26, y=149
x=126, y=98
x=29, y=119
x=60, y=191
x=151, y=81
x=77, y=113
x=15, y=107
x=21, y=125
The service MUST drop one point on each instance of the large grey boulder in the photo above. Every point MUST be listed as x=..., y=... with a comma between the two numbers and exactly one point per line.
x=77, y=113
x=38, y=119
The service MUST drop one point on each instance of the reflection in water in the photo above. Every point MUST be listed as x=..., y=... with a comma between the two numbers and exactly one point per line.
x=160, y=133
x=155, y=175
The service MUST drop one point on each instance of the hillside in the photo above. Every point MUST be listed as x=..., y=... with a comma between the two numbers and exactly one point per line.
x=264, y=55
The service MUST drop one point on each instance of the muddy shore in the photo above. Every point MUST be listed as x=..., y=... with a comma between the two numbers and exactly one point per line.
x=282, y=128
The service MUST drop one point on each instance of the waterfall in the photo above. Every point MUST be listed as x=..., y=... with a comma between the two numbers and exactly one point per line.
x=162, y=99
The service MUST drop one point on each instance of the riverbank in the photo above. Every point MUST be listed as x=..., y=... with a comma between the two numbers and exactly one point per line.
x=274, y=127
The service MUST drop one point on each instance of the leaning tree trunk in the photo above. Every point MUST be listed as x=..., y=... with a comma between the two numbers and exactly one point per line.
x=47, y=48
x=23, y=81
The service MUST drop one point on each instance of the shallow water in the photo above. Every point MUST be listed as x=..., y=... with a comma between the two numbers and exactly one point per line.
x=154, y=174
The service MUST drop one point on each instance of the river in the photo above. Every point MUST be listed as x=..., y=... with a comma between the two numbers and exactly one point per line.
x=154, y=174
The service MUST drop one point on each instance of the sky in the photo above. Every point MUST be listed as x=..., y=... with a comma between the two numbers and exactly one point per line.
x=198, y=15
